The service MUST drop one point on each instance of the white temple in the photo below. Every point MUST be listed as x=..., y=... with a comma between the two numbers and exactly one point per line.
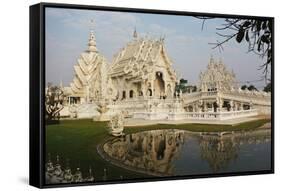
x=140, y=82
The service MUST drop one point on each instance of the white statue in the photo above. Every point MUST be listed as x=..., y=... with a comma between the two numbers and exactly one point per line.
x=116, y=125
x=73, y=111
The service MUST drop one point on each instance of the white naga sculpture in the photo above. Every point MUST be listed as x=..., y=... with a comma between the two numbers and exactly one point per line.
x=102, y=108
x=116, y=125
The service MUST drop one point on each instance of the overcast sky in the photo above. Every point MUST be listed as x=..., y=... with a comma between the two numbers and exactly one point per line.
x=67, y=33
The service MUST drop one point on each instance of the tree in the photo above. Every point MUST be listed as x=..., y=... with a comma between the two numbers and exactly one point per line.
x=53, y=103
x=267, y=88
x=250, y=88
x=194, y=88
x=256, y=32
x=244, y=87
x=182, y=86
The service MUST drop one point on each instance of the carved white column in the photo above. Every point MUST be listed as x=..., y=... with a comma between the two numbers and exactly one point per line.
x=220, y=104
x=205, y=106
x=152, y=89
x=87, y=94
x=231, y=105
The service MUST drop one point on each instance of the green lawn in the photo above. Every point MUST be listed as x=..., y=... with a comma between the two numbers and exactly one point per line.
x=76, y=141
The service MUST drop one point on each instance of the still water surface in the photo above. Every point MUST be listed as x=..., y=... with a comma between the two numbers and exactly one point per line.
x=177, y=152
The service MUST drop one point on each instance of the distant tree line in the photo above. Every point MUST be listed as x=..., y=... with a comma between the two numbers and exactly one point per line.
x=184, y=87
x=267, y=88
x=251, y=87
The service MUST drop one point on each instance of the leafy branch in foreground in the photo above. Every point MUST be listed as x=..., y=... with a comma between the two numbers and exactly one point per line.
x=256, y=32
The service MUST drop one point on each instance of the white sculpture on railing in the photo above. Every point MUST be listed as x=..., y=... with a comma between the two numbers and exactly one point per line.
x=55, y=173
x=102, y=109
x=73, y=111
x=116, y=125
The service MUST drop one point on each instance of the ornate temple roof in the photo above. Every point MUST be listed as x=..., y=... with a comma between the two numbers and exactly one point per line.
x=88, y=67
x=217, y=77
x=138, y=57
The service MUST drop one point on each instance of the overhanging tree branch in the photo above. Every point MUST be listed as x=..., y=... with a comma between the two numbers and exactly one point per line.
x=256, y=32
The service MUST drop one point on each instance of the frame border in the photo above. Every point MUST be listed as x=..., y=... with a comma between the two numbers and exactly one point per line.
x=37, y=142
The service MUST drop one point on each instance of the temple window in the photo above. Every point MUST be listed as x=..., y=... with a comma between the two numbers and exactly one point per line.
x=131, y=93
x=124, y=95
x=226, y=105
x=246, y=107
x=149, y=92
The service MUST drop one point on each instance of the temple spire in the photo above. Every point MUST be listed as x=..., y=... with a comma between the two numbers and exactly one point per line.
x=135, y=35
x=211, y=59
x=162, y=38
x=61, y=84
x=92, y=46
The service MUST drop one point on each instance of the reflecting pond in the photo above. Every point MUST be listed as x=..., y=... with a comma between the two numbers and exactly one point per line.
x=178, y=152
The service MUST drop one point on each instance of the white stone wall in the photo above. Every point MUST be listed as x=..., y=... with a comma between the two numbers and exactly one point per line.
x=263, y=110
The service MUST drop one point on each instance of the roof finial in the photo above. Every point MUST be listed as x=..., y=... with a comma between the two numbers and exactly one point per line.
x=92, y=39
x=92, y=24
x=135, y=35
x=61, y=84
x=211, y=59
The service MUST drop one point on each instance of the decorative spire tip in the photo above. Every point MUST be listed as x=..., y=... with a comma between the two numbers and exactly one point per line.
x=135, y=35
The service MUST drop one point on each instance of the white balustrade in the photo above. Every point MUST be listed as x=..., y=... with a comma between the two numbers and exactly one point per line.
x=221, y=115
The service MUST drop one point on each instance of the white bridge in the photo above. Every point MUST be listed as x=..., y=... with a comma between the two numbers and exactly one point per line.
x=256, y=98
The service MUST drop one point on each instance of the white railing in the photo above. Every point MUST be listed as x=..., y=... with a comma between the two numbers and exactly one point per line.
x=195, y=115
x=257, y=98
x=208, y=94
x=141, y=100
x=221, y=115
x=246, y=97
x=151, y=115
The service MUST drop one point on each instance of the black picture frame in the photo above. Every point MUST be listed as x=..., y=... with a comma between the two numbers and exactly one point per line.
x=37, y=91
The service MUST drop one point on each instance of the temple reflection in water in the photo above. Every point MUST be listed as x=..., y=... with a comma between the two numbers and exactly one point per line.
x=152, y=151
x=178, y=152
